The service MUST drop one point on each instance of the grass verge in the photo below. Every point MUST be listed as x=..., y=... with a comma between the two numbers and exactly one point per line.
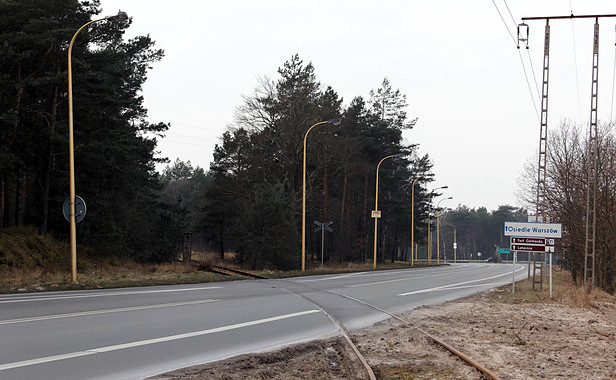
x=564, y=291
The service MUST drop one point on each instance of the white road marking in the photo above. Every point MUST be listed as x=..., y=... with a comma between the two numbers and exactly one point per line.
x=406, y=279
x=106, y=294
x=332, y=278
x=47, y=359
x=451, y=286
x=104, y=311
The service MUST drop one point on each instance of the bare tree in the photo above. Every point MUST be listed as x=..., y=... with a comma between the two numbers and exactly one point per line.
x=567, y=182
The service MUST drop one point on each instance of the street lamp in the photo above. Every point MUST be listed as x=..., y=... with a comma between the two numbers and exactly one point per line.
x=429, y=245
x=71, y=150
x=334, y=122
x=437, y=230
x=413, y=216
x=375, y=215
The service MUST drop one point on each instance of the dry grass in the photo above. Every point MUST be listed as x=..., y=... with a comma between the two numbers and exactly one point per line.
x=564, y=291
x=128, y=274
x=113, y=272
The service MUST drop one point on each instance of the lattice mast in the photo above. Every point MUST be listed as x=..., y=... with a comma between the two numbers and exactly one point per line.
x=593, y=172
x=523, y=32
x=593, y=148
x=543, y=131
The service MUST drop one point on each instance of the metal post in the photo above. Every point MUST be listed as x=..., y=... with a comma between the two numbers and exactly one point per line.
x=376, y=204
x=413, y=216
x=438, y=253
x=438, y=246
x=550, y=275
x=71, y=150
x=428, y=245
x=543, y=138
x=543, y=134
x=334, y=122
x=455, y=245
x=515, y=255
x=304, y=198
x=591, y=189
x=322, y=245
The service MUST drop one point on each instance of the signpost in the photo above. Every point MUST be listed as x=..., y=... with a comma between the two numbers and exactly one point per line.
x=499, y=252
x=533, y=237
x=80, y=209
x=538, y=230
x=322, y=227
x=532, y=244
x=515, y=256
x=531, y=248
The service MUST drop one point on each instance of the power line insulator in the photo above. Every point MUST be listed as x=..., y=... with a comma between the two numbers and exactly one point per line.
x=523, y=34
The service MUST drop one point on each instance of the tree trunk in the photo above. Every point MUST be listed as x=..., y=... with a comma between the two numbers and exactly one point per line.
x=342, y=227
x=325, y=194
x=2, y=203
x=20, y=200
x=48, y=165
x=365, y=216
x=222, y=241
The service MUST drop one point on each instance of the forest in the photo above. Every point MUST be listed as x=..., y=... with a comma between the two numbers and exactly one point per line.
x=249, y=201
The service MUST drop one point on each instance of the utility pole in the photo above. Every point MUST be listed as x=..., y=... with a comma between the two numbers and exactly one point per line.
x=323, y=227
x=591, y=190
x=455, y=245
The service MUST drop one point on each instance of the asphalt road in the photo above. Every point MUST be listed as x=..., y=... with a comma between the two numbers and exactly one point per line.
x=138, y=332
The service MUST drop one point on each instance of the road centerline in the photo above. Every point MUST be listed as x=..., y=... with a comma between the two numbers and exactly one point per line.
x=450, y=286
x=405, y=279
x=92, y=295
x=92, y=351
x=104, y=311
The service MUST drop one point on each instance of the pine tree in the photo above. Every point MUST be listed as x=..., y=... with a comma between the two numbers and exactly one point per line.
x=114, y=159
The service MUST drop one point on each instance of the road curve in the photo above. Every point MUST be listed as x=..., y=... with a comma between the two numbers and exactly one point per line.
x=138, y=332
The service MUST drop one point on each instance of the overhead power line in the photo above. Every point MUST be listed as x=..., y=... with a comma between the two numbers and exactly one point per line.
x=575, y=65
x=505, y=23
x=530, y=90
x=613, y=80
x=593, y=172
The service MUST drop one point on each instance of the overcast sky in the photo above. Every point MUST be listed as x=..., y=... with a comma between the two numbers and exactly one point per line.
x=456, y=61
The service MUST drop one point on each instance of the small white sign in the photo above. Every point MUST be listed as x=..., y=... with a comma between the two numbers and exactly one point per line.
x=541, y=230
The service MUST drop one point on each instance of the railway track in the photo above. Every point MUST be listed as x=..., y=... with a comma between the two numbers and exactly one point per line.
x=234, y=272
x=488, y=374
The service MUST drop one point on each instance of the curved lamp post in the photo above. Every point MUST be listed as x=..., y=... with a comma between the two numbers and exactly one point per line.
x=429, y=246
x=413, y=216
x=334, y=122
x=71, y=150
x=437, y=230
x=376, y=202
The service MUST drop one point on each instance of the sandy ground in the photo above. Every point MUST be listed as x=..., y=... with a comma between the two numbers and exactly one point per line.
x=516, y=339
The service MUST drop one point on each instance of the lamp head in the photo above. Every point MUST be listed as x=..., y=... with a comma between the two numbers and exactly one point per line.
x=401, y=155
x=335, y=121
x=121, y=16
